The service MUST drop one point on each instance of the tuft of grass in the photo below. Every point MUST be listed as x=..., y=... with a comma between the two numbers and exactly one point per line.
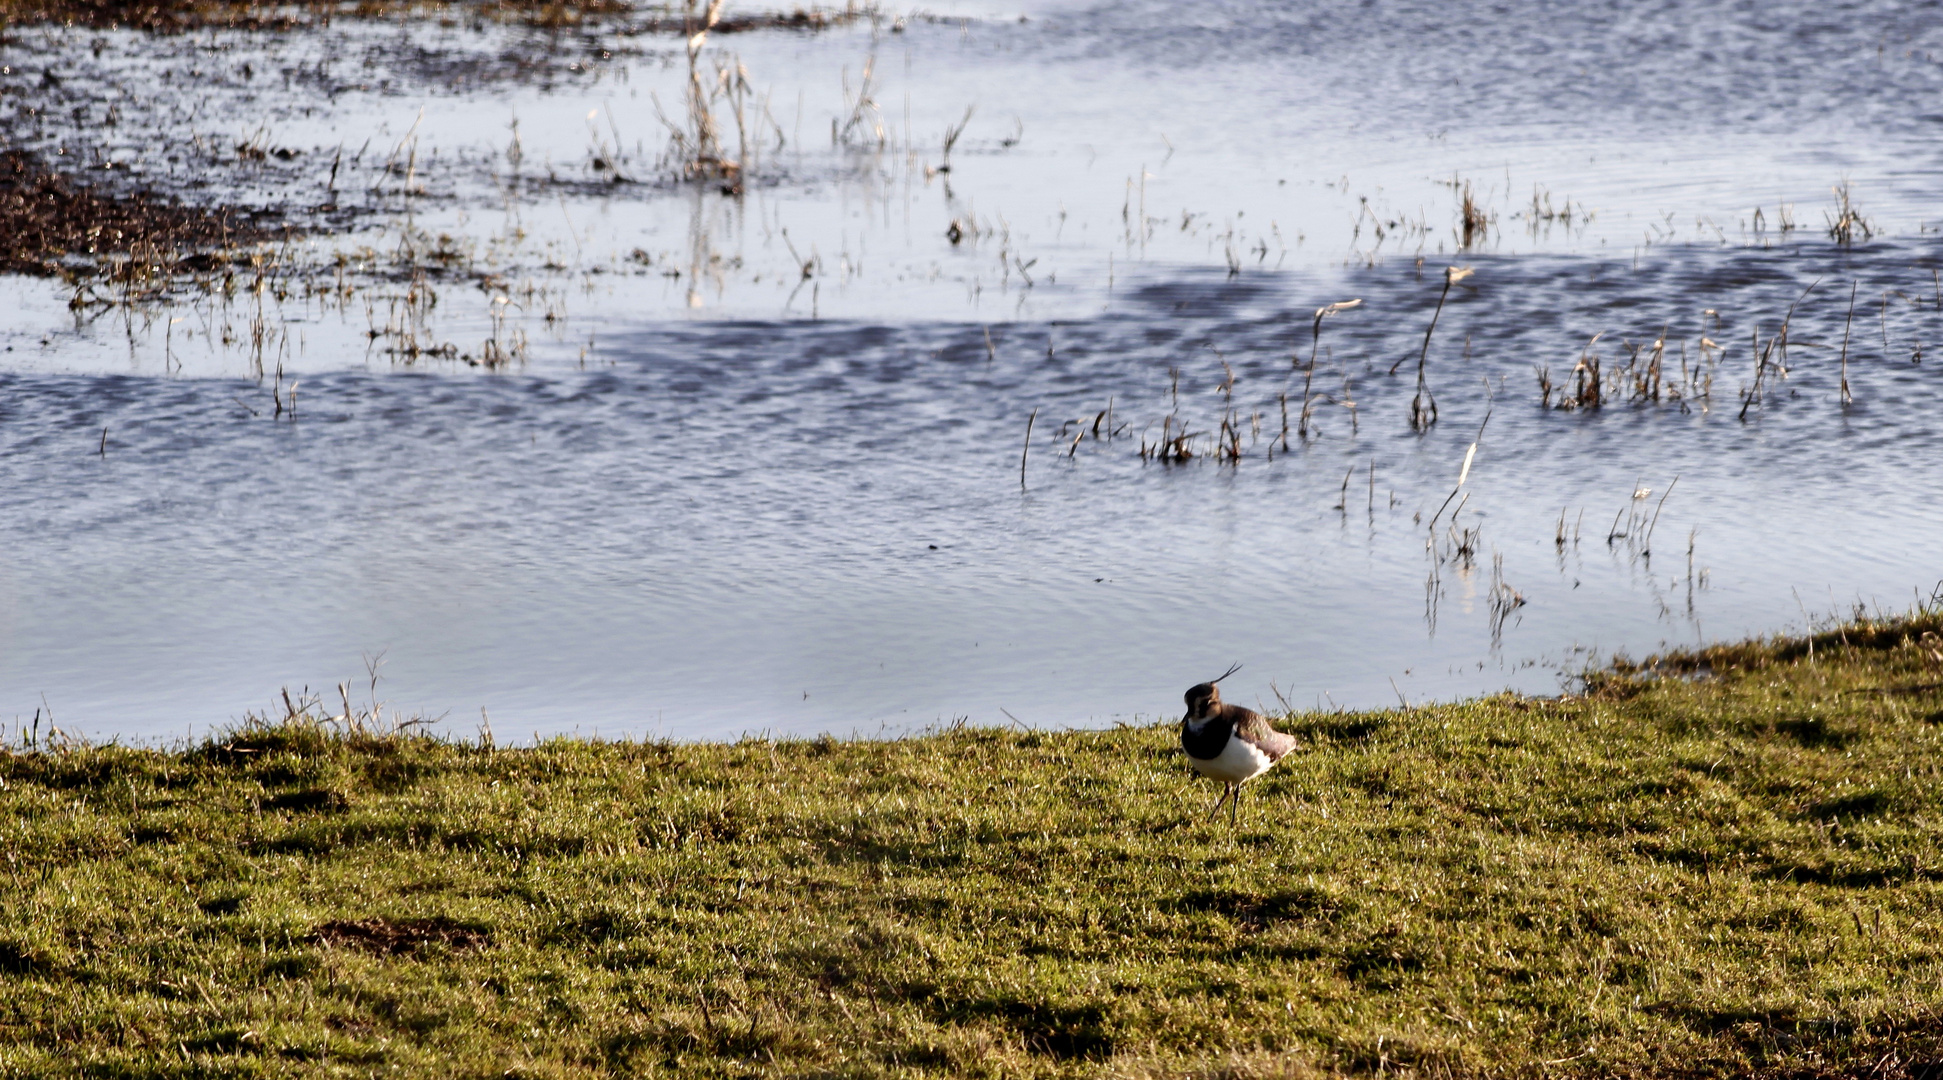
x=1722, y=862
x=1847, y=225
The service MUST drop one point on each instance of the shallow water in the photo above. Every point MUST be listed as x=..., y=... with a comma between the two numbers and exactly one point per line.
x=739, y=499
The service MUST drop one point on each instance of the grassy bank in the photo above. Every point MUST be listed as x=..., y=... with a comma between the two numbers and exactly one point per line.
x=1734, y=871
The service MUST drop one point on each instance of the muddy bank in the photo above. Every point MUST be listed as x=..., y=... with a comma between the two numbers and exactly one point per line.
x=178, y=16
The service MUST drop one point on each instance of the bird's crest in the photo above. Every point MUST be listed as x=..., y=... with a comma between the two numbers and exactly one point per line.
x=1225, y=674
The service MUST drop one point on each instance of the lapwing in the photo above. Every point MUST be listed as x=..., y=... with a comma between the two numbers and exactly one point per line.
x=1229, y=743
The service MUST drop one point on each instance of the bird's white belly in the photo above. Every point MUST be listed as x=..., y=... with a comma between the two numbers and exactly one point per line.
x=1238, y=761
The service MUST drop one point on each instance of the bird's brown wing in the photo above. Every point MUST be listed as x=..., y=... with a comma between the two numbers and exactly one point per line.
x=1255, y=728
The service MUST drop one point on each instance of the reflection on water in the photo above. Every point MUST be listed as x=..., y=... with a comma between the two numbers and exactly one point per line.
x=758, y=464
x=804, y=526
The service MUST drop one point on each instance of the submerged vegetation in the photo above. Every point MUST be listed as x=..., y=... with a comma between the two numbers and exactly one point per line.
x=1714, y=863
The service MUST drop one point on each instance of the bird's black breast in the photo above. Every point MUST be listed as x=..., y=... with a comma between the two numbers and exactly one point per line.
x=1206, y=742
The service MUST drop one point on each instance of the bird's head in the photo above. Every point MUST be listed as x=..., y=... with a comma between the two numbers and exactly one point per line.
x=1205, y=698
x=1202, y=699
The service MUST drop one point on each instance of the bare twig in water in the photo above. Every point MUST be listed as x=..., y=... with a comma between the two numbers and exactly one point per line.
x=1504, y=599
x=1752, y=395
x=1464, y=473
x=1451, y=274
x=1846, y=327
x=1027, y=448
x=1342, y=499
x=1782, y=340
x=1646, y=546
x=952, y=135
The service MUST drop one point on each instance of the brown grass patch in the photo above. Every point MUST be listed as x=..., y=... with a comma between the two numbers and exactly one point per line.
x=390, y=938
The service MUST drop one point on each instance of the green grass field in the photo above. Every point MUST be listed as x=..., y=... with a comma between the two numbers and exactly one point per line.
x=1726, y=863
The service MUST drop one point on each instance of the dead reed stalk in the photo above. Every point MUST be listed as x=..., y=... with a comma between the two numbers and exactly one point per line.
x=1027, y=448
x=1847, y=223
x=698, y=143
x=861, y=106
x=1423, y=407
x=1504, y=600
x=1463, y=474
x=952, y=135
x=1646, y=546
x=1847, y=325
x=1473, y=224
x=1589, y=391
x=1781, y=339
x=1315, y=355
x=1752, y=394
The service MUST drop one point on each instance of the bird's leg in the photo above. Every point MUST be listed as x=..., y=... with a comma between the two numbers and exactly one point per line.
x=1234, y=804
x=1226, y=789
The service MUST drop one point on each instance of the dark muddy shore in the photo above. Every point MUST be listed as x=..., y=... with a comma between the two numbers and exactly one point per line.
x=92, y=191
x=612, y=15
x=192, y=15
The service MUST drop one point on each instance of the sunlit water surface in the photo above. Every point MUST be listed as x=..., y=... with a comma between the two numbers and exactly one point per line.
x=719, y=495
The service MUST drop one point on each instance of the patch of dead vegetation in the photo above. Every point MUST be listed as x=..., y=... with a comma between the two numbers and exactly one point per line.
x=179, y=16
x=799, y=19
x=387, y=937
x=52, y=225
